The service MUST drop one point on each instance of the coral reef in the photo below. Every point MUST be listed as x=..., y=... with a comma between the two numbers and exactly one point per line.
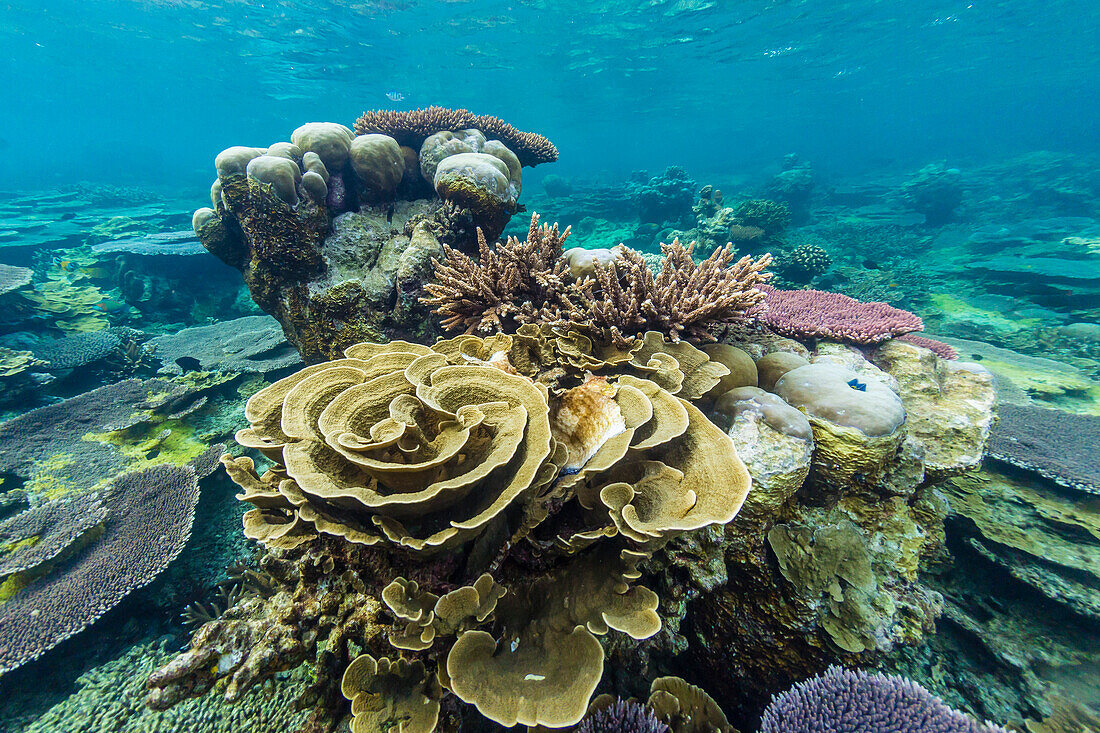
x=82, y=568
x=414, y=126
x=20, y=374
x=858, y=702
x=935, y=191
x=793, y=186
x=804, y=263
x=667, y=198
x=771, y=216
x=673, y=706
x=809, y=314
x=823, y=561
x=335, y=233
x=110, y=698
x=1022, y=438
x=526, y=282
x=253, y=344
x=499, y=518
x=14, y=278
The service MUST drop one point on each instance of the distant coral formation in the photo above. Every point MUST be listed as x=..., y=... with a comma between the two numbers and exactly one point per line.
x=414, y=126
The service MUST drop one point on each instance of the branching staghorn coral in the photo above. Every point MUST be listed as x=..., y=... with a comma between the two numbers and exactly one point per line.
x=524, y=282
x=512, y=284
x=680, y=301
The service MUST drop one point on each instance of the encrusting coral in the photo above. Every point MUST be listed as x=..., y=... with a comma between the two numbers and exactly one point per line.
x=501, y=523
x=530, y=281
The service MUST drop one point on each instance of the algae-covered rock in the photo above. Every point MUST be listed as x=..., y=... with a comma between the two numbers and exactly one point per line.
x=948, y=405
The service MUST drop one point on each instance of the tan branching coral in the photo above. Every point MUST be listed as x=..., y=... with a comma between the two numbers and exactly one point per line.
x=519, y=283
x=515, y=283
x=682, y=300
x=412, y=127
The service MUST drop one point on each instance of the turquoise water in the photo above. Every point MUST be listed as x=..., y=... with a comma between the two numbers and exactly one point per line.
x=941, y=157
x=148, y=92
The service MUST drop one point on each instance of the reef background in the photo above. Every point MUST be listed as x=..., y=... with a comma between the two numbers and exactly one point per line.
x=926, y=153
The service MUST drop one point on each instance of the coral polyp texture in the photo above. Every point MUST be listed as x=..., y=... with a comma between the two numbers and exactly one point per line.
x=612, y=299
x=480, y=505
x=817, y=314
x=335, y=232
x=87, y=554
x=858, y=702
x=414, y=126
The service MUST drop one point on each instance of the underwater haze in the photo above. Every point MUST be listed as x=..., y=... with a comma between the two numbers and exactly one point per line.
x=640, y=366
x=146, y=92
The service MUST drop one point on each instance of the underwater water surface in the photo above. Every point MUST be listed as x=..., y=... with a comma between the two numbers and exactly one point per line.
x=315, y=416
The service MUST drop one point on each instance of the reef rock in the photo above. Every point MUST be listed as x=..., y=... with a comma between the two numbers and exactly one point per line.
x=332, y=281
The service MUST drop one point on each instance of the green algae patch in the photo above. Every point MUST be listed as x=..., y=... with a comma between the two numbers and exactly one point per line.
x=150, y=444
x=51, y=477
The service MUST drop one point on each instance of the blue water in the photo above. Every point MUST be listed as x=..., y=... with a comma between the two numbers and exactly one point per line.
x=148, y=92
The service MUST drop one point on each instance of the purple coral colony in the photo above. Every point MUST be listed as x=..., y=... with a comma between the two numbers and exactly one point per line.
x=374, y=446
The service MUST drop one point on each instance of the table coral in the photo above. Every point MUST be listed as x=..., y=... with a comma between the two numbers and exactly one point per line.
x=414, y=126
x=808, y=314
x=147, y=521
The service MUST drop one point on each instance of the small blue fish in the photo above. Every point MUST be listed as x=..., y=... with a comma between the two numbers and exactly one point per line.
x=395, y=96
x=856, y=384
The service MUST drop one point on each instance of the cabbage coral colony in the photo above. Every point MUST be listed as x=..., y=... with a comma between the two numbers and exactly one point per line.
x=479, y=519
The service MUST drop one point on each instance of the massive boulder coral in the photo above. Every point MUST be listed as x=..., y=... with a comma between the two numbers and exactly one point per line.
x=500, y=514
x=335, y=232
x=824, y=561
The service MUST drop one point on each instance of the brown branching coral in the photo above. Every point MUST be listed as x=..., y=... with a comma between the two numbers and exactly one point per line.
x=682, y=300
x=413, y=126
x=524, y=282
x=515, y=283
